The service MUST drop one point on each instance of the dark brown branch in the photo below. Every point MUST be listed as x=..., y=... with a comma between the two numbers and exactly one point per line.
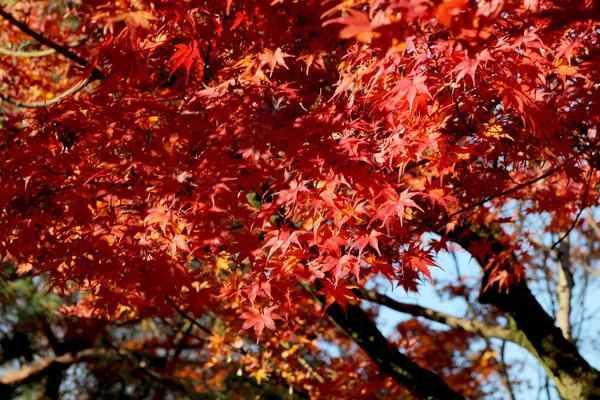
x=419, y=381
x=514, y=189
x=63, y=50
x=583, y=206
x=188, y=318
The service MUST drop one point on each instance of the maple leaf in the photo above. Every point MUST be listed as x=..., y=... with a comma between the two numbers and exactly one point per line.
x=337, y=293
x=281, y=240
x=313, y=58
x=418, y=260
x=272, y=59
x=409, y=87
x=179, y=242
x=469, y=66
x=134, y=19
x=396, y=206
x=339, y=266
x=383, y=268
x=370, y=239
x=260, y=375
x=258, y=320
x=158, y=216
x=357, y=25
x=184, y=56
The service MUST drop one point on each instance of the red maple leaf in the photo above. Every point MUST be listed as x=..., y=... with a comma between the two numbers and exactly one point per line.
x=259, y=320
x=273, y=59
x=337, y=293
x=185, y=55
x=370, y=239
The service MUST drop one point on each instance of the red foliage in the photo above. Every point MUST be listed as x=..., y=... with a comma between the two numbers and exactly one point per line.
x=229, y=152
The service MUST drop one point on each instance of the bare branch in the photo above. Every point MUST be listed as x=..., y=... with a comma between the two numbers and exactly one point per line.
x=591, y=270
x=564, y=287
x=464, y=324
x=504, y=372
x=583, y=206
x=589, y=217
x=189, y=318
x=37, y=53
x=41, y=104
x=39, y=368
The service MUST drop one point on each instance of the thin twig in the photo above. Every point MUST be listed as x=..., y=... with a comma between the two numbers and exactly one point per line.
x=504, y=372
x=302, y=361
x=494, y=196
x=37, y=53
x=189, y=318
x=583, y=205
x=42, y=104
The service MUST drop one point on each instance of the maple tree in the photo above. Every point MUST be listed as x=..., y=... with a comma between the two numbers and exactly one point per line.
x=258, y=164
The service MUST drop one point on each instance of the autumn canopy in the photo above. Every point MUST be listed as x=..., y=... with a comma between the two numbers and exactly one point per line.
x=258, y=162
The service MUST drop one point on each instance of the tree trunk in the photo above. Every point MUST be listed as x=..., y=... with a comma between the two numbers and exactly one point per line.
x=574, y=378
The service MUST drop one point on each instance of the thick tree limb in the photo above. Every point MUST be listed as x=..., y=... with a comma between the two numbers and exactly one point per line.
x=419, y=381
x=464, y=324
x=40, y=368
x=575, y=379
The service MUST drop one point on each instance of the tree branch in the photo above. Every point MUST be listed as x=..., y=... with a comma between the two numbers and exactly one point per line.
x=37, y=53
x=63, y=50
x=464, y=324
x=504, y=372
x=589, y=217
x=41, y=104
x=46, y=366
x=564, y=287
x=356, y=323
x=591, y=270
x=36, y=370
x=96, y=73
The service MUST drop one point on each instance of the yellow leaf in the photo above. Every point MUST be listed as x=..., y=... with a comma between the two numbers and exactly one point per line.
x=496, y=131
x=260, y=375
x=223, y=261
